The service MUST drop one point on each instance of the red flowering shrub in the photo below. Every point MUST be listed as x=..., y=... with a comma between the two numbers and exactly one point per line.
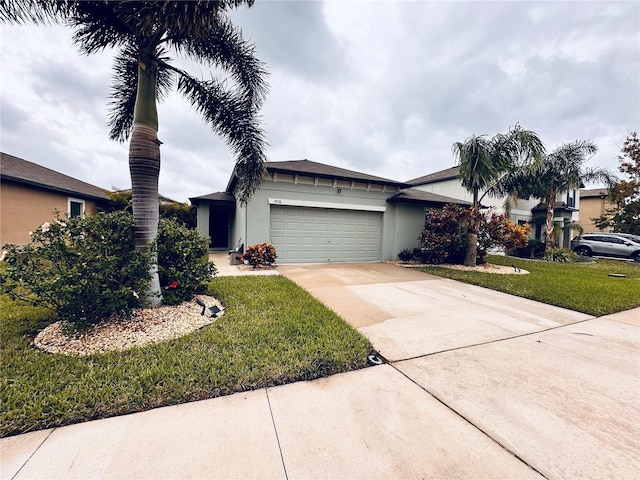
x=444, y=237
x=183, y=266
x=260, y=254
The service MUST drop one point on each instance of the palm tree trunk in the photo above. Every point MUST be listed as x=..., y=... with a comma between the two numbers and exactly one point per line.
x=471, y=253
x=144, y=167
x=549, y=242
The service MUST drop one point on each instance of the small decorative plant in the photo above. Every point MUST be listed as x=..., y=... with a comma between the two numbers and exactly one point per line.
x=560, y=255
x=260, y=254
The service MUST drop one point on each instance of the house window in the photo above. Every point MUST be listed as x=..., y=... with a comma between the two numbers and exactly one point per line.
x=571, y=198
x=76, y=207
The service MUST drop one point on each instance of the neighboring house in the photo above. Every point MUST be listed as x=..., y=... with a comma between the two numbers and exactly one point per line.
x=313, y=212
x=594, y=203
x=30, y=194
x=566, y=207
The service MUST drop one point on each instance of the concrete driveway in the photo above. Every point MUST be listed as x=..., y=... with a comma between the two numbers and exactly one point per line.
x=480, y=385
x=559, y=390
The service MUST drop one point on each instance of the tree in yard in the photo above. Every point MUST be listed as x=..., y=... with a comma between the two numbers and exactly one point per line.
x=484, y=161
x=558, y=171
x=625, y=194
x=143, y=34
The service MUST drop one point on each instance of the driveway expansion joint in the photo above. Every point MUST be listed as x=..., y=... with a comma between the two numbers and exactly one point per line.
x=34, y=452
x=490, y=342
x=275, y=429
x=467, y=420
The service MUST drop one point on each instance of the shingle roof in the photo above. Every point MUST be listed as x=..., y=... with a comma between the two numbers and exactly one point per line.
x=307, y=167
x=556, y=206
x=216, y=197
x=446, y=174
x=22, y=171
x=413, y=195
x=324, y=170
x=593, y=192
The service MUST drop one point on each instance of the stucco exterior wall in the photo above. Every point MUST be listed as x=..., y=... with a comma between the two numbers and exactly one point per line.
x=323, y=194
x=202, y=218
x=592, y=207
x=24, y=208
x=409, y=222
x=238, y=227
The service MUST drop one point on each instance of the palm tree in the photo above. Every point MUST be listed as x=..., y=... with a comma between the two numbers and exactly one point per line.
x=143, y=34
x=559, y=171
x=483, y=161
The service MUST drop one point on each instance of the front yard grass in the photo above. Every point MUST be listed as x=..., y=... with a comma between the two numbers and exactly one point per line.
x=583, y=287
x=273, y=332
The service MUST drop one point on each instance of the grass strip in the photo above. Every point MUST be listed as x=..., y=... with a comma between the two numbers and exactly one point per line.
x=273, y=332
x=583, y=287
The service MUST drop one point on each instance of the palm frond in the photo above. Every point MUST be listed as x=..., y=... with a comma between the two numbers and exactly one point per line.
x=36, y=11
x=123, y=95
x=222, y=44
x=100, y=24
x=123, y=90
x=230, y=115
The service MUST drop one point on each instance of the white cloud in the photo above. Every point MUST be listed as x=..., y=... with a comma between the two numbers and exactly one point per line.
x=382, y=87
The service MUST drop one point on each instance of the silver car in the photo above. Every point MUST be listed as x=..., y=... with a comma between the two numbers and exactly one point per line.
x=607, y=244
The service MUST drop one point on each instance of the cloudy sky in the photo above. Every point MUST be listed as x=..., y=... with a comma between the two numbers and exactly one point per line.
x=382, y=87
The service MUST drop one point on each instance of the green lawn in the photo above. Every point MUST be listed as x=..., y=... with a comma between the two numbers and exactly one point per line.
x=273, y=332
x=583, y=287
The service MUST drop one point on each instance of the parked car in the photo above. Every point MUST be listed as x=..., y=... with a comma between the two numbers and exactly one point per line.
x=606, y=244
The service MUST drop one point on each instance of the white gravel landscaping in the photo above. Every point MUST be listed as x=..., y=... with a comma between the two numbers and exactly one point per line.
x=147, y=326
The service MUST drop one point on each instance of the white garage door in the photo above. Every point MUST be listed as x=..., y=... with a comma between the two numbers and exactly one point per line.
x=317, y=235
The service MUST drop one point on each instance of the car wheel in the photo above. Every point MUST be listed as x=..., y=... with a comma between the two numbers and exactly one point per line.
x=636, y=257
x=583, y=251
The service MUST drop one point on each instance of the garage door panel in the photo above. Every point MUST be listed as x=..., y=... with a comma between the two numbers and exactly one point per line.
x=302, y=234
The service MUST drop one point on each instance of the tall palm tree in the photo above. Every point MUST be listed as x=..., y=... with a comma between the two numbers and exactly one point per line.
x=483, y=161
x=559, y=171
x=143, y=34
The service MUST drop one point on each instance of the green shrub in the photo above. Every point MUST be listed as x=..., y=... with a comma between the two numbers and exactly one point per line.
x=83, y=268
x=560, y=255
x=407, y=255
x=183, y=267
x=533, y=249
x=260, y=254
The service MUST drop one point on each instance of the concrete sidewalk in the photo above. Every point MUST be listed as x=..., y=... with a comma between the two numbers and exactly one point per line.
x=482, y=385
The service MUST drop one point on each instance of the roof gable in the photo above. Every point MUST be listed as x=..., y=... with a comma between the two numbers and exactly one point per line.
x=308, y=167
x=323, y=170
x=22, y=171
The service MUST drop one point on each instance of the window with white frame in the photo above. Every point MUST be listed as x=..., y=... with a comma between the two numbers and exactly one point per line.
x=75, y=207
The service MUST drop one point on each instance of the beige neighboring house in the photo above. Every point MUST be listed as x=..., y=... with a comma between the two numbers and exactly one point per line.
x=593, y=204
x=31, y=193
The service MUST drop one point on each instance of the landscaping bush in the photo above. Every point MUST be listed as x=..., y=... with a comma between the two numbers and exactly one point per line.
x=416, y=255
x=533, y=249
x=84, y=269
x=183, y=267
x=260, y=254
x=560, y=255
x=407, y=255
x=444, y=237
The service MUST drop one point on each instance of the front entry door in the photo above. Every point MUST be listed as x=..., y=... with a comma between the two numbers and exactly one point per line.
x=219, y=229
